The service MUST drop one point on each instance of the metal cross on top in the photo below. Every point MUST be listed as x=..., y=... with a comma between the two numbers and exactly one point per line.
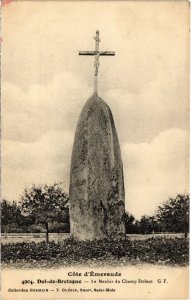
x=97, y=54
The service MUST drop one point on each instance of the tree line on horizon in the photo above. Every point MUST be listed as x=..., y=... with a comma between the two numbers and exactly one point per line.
x=45, y=208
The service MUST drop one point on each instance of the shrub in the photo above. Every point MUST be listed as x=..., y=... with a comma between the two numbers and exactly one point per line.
x=159, y=250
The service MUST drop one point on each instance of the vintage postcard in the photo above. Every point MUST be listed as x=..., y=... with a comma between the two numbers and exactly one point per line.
x=95, y=149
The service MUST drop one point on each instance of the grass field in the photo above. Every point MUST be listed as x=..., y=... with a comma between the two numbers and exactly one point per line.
x=157, y=250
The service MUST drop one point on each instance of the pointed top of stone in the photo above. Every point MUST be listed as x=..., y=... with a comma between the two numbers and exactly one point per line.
x=98, y=110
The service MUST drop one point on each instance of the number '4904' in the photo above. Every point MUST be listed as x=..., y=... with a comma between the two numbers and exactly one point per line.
x=27, y=282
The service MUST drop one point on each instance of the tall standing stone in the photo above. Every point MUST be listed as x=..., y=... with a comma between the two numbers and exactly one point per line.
x=96, y=179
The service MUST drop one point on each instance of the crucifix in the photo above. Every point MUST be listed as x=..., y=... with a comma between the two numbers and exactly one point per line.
x=97, y=54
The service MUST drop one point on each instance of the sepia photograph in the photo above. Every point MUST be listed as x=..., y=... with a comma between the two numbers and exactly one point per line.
x=94, y=149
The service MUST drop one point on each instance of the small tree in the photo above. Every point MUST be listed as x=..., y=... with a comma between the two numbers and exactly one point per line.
x=146, y=225
x=46, y=203
x=174, y=214
x=26, y=221
x=10, y=215
x=130, y=223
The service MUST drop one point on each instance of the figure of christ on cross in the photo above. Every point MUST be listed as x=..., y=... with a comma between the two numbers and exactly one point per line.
x=97, y=54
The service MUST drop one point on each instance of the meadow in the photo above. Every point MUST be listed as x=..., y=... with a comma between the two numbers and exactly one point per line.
x=162, y=250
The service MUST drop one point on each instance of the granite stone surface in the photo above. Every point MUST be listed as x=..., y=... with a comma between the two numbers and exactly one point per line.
x=96, y=179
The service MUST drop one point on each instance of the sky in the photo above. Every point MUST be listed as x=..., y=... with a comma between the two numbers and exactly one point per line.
x=45, y=85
